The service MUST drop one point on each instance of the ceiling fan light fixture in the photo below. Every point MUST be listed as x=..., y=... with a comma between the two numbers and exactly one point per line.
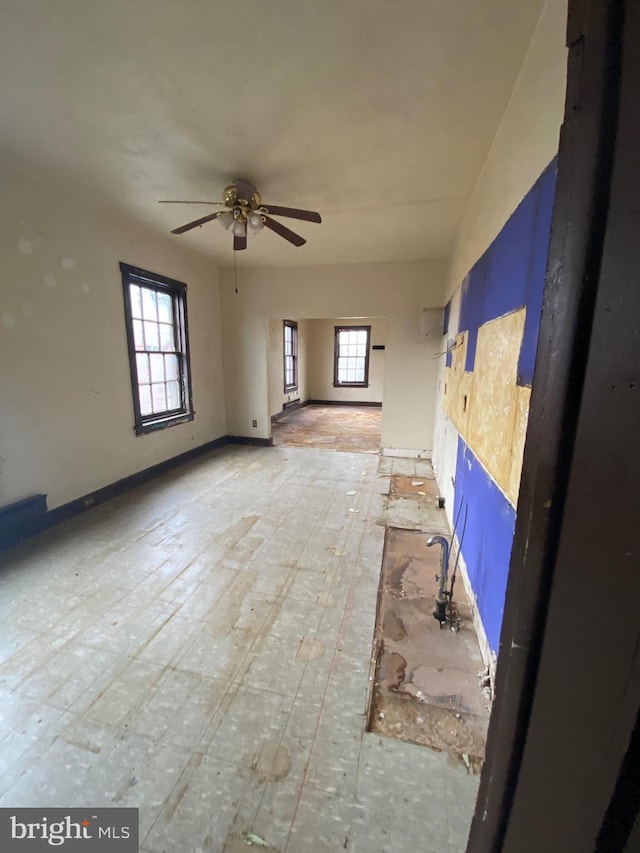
x=226, y=219
x=240, y=228
x=256, y=223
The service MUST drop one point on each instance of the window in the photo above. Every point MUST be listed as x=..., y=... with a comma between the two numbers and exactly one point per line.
x=156, y=317
x=290, y=356
x=351, y=361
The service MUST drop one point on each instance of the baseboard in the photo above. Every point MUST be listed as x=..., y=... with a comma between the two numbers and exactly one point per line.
x=406, y=453
x=31, y=527
x=287, y=408
x=342, y=403
x=247, y=439
x=19, y=517
x=292, y=407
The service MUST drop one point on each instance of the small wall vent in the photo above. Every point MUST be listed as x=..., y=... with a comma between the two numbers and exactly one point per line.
x=431, y=320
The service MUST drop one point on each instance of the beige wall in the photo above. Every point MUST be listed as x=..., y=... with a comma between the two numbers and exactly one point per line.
x=321, y=361
x=275, y=365
x=395, y=291
x=525, y=143
x=66, y=413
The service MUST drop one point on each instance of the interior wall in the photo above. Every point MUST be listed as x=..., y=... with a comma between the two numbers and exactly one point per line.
x=303, y=361
x=496, y=279
x=275, y=365
x=66, y=418
x=486, y=389
x=395, y=291
x=321, y=361
x=524, y=144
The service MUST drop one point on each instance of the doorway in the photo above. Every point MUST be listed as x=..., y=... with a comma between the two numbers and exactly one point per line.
x=562, y=745
x=326, y=382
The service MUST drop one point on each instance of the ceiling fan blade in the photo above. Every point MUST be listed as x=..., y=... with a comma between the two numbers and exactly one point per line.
x=283, y=231
x=293, y=213
x=239, y=243
x=195, y=223
x=183, y=201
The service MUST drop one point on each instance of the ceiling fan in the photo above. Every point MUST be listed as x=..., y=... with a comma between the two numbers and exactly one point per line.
x=243, y=209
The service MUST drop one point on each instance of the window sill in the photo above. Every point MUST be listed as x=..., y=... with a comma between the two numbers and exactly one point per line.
x=163, y=423
x=350, y=384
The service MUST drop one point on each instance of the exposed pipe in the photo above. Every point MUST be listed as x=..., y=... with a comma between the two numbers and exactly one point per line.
x=442, y=598
x=455, y=565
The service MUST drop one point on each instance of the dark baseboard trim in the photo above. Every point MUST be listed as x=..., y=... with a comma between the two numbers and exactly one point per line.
x=287, y=408
x=21, y=516
x=341, y=403
x=31, y=527
x=247, y=439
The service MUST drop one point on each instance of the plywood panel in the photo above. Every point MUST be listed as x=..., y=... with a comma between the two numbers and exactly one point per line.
x=458, y=384
x=488, y=408
x=523, y=400
x=493, y=409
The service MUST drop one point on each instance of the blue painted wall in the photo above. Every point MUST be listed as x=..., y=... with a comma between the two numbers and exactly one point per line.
x=487, y=539
x=508, y=276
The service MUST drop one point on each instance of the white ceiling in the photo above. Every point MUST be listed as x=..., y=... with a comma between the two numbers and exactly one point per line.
x=377, y=113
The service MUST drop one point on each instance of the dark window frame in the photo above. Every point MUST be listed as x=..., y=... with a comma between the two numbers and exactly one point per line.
x=290, y=324
x=336, y=357
x=148, y=423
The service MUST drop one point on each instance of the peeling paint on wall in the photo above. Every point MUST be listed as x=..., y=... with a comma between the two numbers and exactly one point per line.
x=25, y=247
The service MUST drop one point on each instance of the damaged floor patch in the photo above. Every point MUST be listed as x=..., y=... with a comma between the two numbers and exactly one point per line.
x=426, y=686
x=353, y=429
x=310, y=649
x=271, y=762
x=412, y=487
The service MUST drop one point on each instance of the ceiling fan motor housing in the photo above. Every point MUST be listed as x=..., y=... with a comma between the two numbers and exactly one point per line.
x=231, y=198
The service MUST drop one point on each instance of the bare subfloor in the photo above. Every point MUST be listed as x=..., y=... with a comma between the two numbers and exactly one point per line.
x=426, y=686
x=346, y=428
x=200, y=649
